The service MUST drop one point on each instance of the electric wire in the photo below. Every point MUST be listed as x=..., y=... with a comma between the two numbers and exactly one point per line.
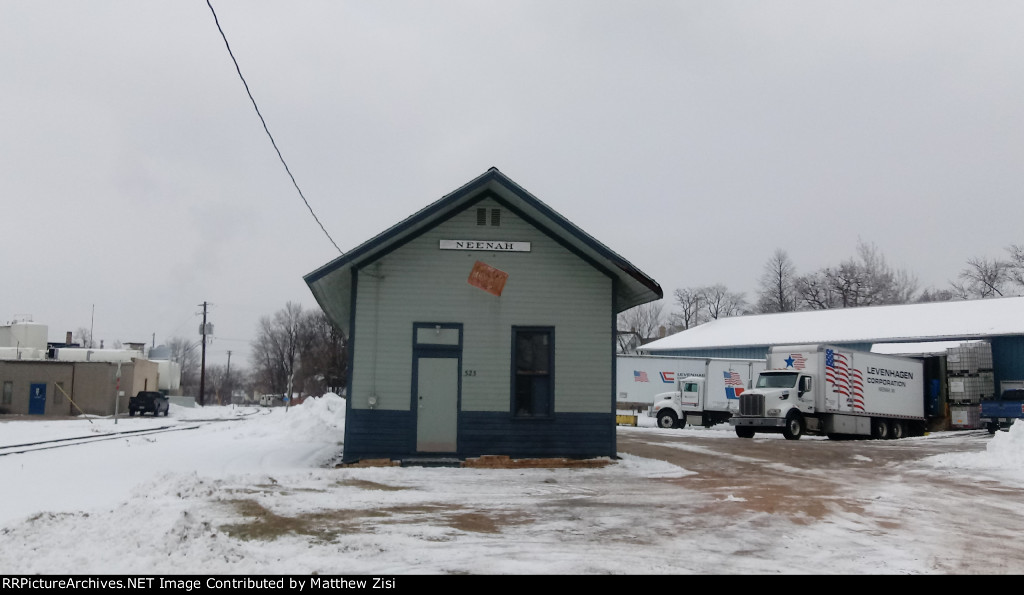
x=267, y=130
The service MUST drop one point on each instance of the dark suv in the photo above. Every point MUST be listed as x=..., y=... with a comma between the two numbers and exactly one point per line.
x=149, y=401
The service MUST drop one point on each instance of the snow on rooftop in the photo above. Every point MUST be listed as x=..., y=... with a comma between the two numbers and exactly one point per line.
x=928, y=347
x=932, y=321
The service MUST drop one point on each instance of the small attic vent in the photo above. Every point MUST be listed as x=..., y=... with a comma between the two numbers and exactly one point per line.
x=481, y=217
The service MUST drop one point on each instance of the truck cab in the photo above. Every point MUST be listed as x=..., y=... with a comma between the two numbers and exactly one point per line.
x=776, y=403
x=688, y=403
x=149, y=401
x=1000, y=414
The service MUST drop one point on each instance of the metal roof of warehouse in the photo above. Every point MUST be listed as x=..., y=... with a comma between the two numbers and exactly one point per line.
x=932, y=321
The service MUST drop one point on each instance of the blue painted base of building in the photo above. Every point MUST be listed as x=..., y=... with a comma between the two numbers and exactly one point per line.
x=379, y=434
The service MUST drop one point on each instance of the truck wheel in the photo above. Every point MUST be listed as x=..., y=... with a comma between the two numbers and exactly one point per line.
x=131, y=413
x=794, y=427
x=879, y=429
x=744, y=432
x=897, y=430
x=667, y=419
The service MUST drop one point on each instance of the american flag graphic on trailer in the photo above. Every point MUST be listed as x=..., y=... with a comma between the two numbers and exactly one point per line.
x=797, y=361
x=733, y=385
x=639, y=376
x=846, y=381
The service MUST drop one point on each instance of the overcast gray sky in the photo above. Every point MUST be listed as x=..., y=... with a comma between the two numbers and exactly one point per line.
x=692, y=137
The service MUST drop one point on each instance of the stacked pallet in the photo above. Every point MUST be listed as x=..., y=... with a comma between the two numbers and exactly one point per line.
x=969, y=380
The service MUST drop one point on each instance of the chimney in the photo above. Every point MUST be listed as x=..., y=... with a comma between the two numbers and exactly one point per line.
x=67, y=339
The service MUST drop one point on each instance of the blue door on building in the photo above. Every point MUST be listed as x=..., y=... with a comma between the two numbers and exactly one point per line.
x=37, y=399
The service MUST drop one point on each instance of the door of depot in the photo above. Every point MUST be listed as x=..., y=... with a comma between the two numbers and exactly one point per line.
x=437, y=403
x=437, y=361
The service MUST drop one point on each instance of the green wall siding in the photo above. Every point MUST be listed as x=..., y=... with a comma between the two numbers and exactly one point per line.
x=548, y=286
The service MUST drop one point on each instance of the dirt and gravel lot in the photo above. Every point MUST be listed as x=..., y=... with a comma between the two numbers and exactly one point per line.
x=969, y=523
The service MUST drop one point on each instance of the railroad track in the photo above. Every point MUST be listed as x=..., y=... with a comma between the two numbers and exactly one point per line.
x=13, y=449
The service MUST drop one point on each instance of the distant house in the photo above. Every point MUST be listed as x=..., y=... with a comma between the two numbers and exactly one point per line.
x=483, y=324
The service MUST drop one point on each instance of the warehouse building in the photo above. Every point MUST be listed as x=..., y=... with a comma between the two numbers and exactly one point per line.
x=38, y=379
x=484, y=324
x=976, y=347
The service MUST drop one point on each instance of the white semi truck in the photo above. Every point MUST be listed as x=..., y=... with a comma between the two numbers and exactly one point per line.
x=681, y=390
x=835, y=392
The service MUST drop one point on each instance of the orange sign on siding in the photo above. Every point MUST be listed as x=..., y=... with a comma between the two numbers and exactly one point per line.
x=488, y=278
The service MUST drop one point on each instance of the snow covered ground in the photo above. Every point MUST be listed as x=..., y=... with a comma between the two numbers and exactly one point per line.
x=247, y=491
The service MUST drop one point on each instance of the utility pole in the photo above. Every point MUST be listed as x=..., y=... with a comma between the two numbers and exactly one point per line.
x=202, y=368
x=227, y=381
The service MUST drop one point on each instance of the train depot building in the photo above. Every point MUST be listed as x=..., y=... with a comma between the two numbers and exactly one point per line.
x=484, y=324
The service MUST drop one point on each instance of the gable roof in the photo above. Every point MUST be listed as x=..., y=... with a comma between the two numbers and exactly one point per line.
x=932, y=321
x=333, y=280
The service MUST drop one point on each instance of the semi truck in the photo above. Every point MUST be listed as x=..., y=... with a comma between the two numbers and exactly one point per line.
x=834, y=392
x=709, y=398
x=695, y=390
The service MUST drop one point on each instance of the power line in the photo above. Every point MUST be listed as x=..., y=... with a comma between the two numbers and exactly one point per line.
x=267, y=130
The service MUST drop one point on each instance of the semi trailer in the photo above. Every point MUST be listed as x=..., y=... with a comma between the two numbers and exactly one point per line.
x=835, y=392
x=642, y=380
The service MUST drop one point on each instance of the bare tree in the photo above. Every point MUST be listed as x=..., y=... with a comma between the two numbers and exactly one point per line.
x=639, y=325
x=689, y=312
x=186, y=353
x=1015, y=266
x=905, y=288
x=937, y=295
x=983, y=278
x=863, y=280
x=83, y=337
x=777, y=290
x=325, y=358
x=216, y=383
x=814, y=292
x=719, y=302
x=275, y=351
x=882, y=283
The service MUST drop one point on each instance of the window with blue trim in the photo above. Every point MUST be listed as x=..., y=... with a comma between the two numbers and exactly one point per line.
x=533, y=378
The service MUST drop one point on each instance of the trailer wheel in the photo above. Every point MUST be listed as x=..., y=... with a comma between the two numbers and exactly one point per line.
x=794, y=427
x=744, y=432
x=897, y=430
x=667, y=419
x=880, y=429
